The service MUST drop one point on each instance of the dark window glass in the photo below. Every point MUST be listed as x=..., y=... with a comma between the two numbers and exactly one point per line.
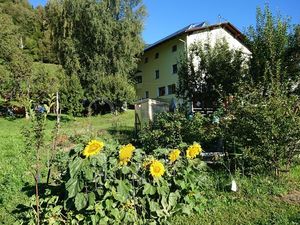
x=146, y=59
x=175, y=69
x=161, y=91
x=171, y=89
x=156, y=74
x=138, y=79
x=174, y=48
x=147, y=94
x=156, y=55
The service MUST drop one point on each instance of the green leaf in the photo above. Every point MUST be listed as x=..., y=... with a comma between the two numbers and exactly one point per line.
x=123, y=188
x=186, y=209
x=88, y=172
x=79, y=217
x=80, y=201
x=163, y=189
x=108, y=203
x=164, y=202
x=154, y=206
x=91, y=198
x=173, y=199
x=73, y=186
x=125, y=170
x=115, y=213
x=94, y=219
x=149, y=189
x=75, y=166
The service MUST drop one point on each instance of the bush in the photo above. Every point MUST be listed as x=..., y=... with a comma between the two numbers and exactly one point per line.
x=172, y=129
x=264, y=131
x=126, y=186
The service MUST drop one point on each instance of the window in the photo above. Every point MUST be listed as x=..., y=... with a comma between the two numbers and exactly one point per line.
x=147, y=94
x=174, y=48
x=146, y=59
x=138, y=79
x=175, y=69
x=171, y=89
x=156, y=55
x=161, y=91
x=156, y=74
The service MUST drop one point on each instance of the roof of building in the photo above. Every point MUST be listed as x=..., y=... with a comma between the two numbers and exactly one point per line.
x=203, y=26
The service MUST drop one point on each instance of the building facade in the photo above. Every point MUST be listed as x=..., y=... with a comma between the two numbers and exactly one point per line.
x=157, y=77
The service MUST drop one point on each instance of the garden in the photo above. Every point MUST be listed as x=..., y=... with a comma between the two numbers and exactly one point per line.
x=101, y=174
x=65, y=160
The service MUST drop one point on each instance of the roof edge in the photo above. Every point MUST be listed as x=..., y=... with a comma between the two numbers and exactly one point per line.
x=186, y=30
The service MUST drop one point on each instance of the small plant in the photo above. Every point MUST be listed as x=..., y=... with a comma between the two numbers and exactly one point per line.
x=110, y=184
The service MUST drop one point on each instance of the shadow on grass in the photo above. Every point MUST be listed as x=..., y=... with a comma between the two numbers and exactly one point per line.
x=123, y=134
x=63, y=118
x=45, y=191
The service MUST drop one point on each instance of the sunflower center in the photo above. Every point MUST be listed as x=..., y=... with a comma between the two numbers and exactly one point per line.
x=156, y=169
x=93, y=148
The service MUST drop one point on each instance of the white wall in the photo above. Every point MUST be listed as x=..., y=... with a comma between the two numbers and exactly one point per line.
x=214, y=35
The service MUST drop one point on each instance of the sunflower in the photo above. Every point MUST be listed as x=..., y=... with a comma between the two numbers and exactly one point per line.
x=157, y=169
x=174, y=155
x=125, y=153
x=93, y=148
x=193, y=151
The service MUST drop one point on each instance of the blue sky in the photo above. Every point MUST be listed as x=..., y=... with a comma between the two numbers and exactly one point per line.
x=167, y=16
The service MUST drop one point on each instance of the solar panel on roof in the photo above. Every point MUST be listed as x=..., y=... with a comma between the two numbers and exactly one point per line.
x=186, y=28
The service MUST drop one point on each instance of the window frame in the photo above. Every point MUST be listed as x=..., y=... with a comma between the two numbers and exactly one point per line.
x=174, y=48
x=157, y=74
x=139, y=79
x=159, y=91
x=174, y=71
x=173, y=88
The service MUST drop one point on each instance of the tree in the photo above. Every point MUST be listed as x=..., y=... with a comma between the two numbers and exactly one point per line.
x=210, y=74
x=97, y=39
x=72, y=96
x=273, y=48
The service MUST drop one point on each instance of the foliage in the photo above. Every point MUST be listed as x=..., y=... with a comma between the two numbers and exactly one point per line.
x=274, y=52
x=32, y=29
x=265, y=131
x=72, y=96
x=16, y=179
x=173, y=129
x=99, y=188
x=47, y=79
x=99, y=41
x=210, y=74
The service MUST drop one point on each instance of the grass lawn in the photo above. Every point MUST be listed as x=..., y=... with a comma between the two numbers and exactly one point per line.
x=16, y=162
x=260, y=200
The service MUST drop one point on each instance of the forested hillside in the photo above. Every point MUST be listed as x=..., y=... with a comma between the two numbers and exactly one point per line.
x=93, y=48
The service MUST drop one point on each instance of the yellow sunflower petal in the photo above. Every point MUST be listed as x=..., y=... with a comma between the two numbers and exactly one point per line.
x=93, y=148
x=157, y=169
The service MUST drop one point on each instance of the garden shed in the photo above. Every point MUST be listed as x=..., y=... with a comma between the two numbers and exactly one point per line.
x=146, y=109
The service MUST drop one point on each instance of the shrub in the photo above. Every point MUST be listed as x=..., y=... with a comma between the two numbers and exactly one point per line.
x=172, y=129
x=124, y=185
x=265, y=131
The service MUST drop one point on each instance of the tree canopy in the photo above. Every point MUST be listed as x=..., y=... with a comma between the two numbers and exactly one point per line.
x=211, y=73
x=99, y=41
